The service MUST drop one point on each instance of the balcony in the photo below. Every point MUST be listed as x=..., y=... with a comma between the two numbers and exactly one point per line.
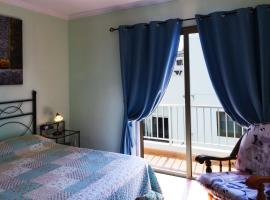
x=213, y=133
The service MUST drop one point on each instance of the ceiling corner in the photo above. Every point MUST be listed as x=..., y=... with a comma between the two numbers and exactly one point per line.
x=35, y=8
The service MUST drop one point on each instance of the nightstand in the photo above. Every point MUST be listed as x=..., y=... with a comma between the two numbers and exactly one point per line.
x=57, y=132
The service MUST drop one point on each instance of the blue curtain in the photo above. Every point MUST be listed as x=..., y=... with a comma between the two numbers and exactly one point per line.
x=147, y=54
x=236, y=46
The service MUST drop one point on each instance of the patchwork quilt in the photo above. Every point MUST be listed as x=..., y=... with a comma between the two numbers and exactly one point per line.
x=32, y=167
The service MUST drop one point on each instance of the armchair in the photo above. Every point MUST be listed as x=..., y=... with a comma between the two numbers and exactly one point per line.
x=248, y=182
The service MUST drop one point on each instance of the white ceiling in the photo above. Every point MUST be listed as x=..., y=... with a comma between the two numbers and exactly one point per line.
x=70, y=9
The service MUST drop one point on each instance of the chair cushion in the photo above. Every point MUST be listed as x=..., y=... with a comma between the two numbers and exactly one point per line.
x=253, y=155
x=230, y=185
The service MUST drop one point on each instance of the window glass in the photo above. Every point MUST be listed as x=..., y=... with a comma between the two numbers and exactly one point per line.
x=227, y=127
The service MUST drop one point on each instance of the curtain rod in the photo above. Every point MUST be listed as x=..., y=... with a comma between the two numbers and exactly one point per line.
x=116, y=29
x=223, y=13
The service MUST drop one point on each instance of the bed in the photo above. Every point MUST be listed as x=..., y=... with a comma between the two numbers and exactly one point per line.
x=33, y=167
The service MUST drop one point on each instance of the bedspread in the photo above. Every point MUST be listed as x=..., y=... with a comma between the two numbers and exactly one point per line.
x=32, y=167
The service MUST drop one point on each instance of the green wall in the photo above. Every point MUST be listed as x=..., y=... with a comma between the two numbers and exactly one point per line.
x=95, y=83
x=45, y=63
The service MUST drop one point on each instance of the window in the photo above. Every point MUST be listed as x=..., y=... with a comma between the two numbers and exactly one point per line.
x=187, y=126
x=227, y=127
x=178, y=72
x=179, y=62
x=178, y=68
x=159, y=124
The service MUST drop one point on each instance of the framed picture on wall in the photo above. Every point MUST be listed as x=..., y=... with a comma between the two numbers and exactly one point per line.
x=11, y=55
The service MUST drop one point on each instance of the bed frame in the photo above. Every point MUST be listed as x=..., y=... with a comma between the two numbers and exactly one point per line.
x=12, y=111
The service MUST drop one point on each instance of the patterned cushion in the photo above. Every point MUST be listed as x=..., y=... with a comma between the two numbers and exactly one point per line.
x=253, y=155
x=230, y=185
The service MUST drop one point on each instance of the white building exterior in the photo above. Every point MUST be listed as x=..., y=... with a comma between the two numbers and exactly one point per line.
x=201, y=89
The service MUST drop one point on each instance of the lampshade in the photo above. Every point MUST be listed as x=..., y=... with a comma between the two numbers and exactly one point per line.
x=58, y=117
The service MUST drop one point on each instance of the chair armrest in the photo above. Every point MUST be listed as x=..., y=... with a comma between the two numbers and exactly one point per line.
x=207, y=160
x=202, y=158
x=254, y=181
x=257, y=182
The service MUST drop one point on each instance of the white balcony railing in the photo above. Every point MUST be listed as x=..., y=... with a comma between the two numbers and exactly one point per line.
x=211, y=126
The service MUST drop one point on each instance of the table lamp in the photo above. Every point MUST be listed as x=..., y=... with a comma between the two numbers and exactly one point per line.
x=57, y=119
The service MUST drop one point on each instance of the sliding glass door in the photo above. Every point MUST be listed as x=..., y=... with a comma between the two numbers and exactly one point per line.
x=190, y=119
x=213, y=132
x=164, y=134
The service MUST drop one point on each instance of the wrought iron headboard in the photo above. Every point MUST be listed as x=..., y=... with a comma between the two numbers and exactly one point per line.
x=10, y=110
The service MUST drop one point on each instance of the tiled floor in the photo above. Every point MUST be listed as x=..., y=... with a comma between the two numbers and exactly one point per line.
x=176, y=188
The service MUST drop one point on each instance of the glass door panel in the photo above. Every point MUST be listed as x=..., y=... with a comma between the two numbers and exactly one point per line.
x=212, y=131
x=164, y=130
